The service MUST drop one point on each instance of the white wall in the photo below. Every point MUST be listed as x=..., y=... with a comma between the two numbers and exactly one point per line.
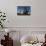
x=37, y=19
x=39, y=13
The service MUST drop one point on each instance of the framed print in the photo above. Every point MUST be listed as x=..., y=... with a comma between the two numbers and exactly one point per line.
x=23, y=10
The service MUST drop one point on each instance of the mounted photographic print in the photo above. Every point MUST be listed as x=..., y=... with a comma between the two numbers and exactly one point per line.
x=23, y=10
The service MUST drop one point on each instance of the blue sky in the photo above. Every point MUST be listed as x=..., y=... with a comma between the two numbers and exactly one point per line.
x=23, y=8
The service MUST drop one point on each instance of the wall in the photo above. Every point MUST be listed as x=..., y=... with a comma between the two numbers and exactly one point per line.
x=37, y=19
